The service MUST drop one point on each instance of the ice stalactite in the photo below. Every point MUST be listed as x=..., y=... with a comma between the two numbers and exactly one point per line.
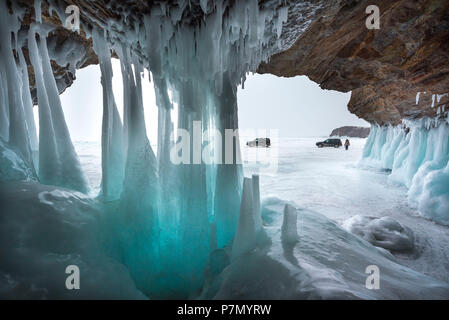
x=112, y=130
x=127, y=75
x=58, y=162
x=28, y=104
x=171, y=215
x=167, y=174
x=18, y=136
x=139, y=198
x=417, y=153
x=229, y=171
x=4, y=112
x=193, y=239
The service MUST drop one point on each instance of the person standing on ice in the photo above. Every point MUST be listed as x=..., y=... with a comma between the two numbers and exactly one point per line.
x=347, y=144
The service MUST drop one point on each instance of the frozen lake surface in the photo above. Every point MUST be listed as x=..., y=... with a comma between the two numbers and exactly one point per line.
x=328, y=181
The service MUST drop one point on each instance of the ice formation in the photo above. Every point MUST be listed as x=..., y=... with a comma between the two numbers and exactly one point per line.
x=417, y=153
x=168, y=213
x=328, y=263
x=45, y=229
x=12, y=166
x=12, y=104
x=289, y=226
x=246, y=236
x=112, y=131
x=383, y=232
x=167, y=222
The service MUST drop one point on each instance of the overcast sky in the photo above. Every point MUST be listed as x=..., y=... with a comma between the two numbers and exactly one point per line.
x=297, y=107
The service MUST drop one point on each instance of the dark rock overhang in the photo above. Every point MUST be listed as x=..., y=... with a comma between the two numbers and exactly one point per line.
x=324, y=40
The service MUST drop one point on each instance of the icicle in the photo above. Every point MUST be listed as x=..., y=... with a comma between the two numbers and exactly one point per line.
x=28, y=104
x=4, y=112
x=18, y=131
x=58, y=161
x=201, y=65
x=289, y=228
x=245, y=238
x=38, y=10
x=139, y=198
x=49, y=159
x=169, y=211
x=123, y=53
x=228, y=181
x=203, y=4
x=112, y=131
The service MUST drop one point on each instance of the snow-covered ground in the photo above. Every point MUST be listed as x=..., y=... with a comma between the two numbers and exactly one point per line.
x=328, y=181
x=347, y=220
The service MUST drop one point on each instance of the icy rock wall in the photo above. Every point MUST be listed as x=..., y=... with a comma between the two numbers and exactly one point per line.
x=417, y=153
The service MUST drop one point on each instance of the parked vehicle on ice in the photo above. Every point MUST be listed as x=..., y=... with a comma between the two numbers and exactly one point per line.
x=259, y=142
x=336, y=143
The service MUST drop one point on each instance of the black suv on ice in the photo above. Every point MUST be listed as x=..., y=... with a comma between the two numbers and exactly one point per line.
x=259, y=142
x=336, y=143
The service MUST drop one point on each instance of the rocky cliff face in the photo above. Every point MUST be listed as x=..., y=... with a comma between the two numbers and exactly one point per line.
x=352, y=132
x=385, y=69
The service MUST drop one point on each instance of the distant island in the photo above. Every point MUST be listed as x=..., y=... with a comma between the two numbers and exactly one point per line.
x=352, y=132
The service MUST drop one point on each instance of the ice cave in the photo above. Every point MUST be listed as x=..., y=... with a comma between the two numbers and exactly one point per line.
x=157, y=229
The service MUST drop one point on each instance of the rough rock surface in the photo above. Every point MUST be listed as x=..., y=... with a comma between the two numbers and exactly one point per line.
x=352, y=132
x=385, y=68
x=324, y=40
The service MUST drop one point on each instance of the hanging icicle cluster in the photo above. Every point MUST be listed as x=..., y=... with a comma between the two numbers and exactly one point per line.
x=196, y=67
x=165, y=217
x=15, y=105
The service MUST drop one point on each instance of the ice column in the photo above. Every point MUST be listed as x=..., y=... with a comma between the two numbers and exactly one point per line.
x=112, y=131
x=245, y=237
x=4, y=112
x=175, y=213
x=28, y=104
x=193, y=221
x=289, y=228
x=18, y=131
x=228, y=179
x=58, y=162
x=138, y=201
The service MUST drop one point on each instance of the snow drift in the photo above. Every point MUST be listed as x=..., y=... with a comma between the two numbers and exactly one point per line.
x=326, y=262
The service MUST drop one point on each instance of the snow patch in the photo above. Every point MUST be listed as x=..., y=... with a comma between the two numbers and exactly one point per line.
x=383, y=232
